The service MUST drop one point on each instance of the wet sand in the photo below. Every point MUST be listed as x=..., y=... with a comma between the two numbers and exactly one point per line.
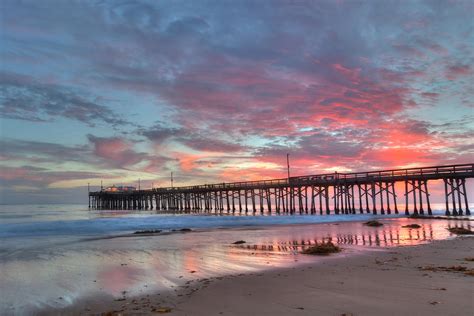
x=377, y=281
x=374, y=283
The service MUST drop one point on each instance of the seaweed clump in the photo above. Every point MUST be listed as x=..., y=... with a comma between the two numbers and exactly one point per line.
x=465, y=270
x=412, y=226
x=155, y=231
x=373, y=223
x=182, y=230
x=448, y=218
x=161, y=310
x=448, y=269
x=460, y=231
x=322, y=249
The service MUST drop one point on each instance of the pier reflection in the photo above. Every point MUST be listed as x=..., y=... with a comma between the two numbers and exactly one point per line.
x=386, y=236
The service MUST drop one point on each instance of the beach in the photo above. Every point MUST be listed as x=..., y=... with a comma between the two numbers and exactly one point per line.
x=99, y=265
x=393, y=281
x=374, y=283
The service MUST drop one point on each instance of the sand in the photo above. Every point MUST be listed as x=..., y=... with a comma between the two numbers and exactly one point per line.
x=375, y=283
x=378, y=282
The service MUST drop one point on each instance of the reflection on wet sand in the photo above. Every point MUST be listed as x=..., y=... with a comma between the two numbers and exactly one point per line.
x=385, y=236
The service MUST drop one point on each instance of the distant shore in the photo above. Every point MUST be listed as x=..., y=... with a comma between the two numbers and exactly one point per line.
x=401, y=280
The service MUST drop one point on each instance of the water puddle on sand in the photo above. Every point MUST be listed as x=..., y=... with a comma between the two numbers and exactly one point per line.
x=61, y=275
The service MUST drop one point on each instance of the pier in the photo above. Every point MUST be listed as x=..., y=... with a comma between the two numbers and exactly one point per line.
x=332, y=193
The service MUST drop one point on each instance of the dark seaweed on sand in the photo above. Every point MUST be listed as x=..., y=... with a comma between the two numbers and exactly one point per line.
x=155, y=231
x=322, y=249
x=412, y=226
x=182, y=230
x=373, y=223
x=448, y=218
x=460, y=231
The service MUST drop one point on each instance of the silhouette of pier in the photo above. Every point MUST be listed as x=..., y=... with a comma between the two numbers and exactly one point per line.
x=332, y=193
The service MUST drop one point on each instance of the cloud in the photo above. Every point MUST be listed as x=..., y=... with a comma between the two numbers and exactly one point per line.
x=42, y=152
x=158, y=133
x=26, y=184
x=23, y=98
x=195, y=139
x=115, y=151
x=455, y=71
x=38, y=177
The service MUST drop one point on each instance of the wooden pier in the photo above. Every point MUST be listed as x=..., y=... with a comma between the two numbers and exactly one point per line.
x=334, y=193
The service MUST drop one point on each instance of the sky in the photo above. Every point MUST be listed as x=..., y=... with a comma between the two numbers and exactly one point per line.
x=220, y=91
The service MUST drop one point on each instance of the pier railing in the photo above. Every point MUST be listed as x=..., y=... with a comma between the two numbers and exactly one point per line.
x=432, y=172
x=437, y=172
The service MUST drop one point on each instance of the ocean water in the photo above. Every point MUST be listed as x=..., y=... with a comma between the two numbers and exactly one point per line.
x=55, y=255
x=76, y=220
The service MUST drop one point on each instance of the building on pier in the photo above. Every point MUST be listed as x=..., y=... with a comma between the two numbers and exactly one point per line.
x=119, y=189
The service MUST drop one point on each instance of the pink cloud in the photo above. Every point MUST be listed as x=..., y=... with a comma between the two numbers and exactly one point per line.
x=455, y=71
x=116, y=152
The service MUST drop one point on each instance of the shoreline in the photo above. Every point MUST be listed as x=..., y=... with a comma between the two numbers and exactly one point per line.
x=372, y=282
x=190, y=229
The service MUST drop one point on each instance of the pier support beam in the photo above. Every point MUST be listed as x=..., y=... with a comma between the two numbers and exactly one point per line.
x=468, y=211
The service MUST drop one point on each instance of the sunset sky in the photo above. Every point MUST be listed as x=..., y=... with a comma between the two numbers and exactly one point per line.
x=219, y=91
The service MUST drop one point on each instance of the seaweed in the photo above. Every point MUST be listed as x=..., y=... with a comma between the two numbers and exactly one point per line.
x=322, y=249
x=465, y=270
x=460, y=231
x=412, y=226
x=373, y=223
x=152, y=231
x=161, y=310
x=182, y=230
x=448, y=218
